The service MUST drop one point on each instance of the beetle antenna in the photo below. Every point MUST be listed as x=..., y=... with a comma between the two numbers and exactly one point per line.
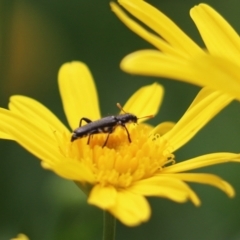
x=149, y=116
x=120, y=107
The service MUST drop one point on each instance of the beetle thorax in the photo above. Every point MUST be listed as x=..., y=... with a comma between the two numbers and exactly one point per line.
x=126, y=118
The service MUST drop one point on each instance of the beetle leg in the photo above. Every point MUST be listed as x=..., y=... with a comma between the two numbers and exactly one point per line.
x=89, y=138
x=129, y=139
x=106, y=140
x=87, y=120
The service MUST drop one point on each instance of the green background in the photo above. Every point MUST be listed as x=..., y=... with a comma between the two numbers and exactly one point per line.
x=36, y=37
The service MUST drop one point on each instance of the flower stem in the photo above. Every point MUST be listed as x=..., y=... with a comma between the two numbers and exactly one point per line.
x=109, y=226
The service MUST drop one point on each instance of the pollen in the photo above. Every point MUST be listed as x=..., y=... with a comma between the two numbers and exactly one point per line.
x=121, y=162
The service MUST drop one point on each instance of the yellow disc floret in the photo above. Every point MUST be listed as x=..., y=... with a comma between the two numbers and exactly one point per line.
x=121, y=162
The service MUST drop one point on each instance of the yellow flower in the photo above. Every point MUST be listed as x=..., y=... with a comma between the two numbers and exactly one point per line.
x=177, y=56
x=20, y=236
x=119, y=176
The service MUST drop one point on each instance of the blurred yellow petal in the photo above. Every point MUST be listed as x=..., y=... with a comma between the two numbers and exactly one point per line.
x=142, y=32
x=202, y=70
x=218, y=35
x=160, y=24
x=20, y=236
x=219, y=72
x=155, y=63
x=146, y=101
x=78, y=92
x=216, y=67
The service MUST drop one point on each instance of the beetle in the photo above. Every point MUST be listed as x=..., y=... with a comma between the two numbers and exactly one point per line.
x=104, y=125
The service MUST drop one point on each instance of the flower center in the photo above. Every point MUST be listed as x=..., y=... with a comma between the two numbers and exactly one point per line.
x=121, y=162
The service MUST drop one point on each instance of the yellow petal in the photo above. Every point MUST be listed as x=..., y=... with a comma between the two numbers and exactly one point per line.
x=6, y=136
x=34, y=110
x=146, y=101
x=165, y=186
x=196, y=117
x=123, y=205
x=78, y=93
x=161, y=24
x=36, y=139
x=155, y=63
x=68, y=169
x=20, y=236
x=218, y=35
x=103, y=197
x=203, y=70
x=204, y=93
x=142, y=32
x=131, y=209
x=218, y=72
x=202, y=161
x=209, y=179
x=163, y=128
